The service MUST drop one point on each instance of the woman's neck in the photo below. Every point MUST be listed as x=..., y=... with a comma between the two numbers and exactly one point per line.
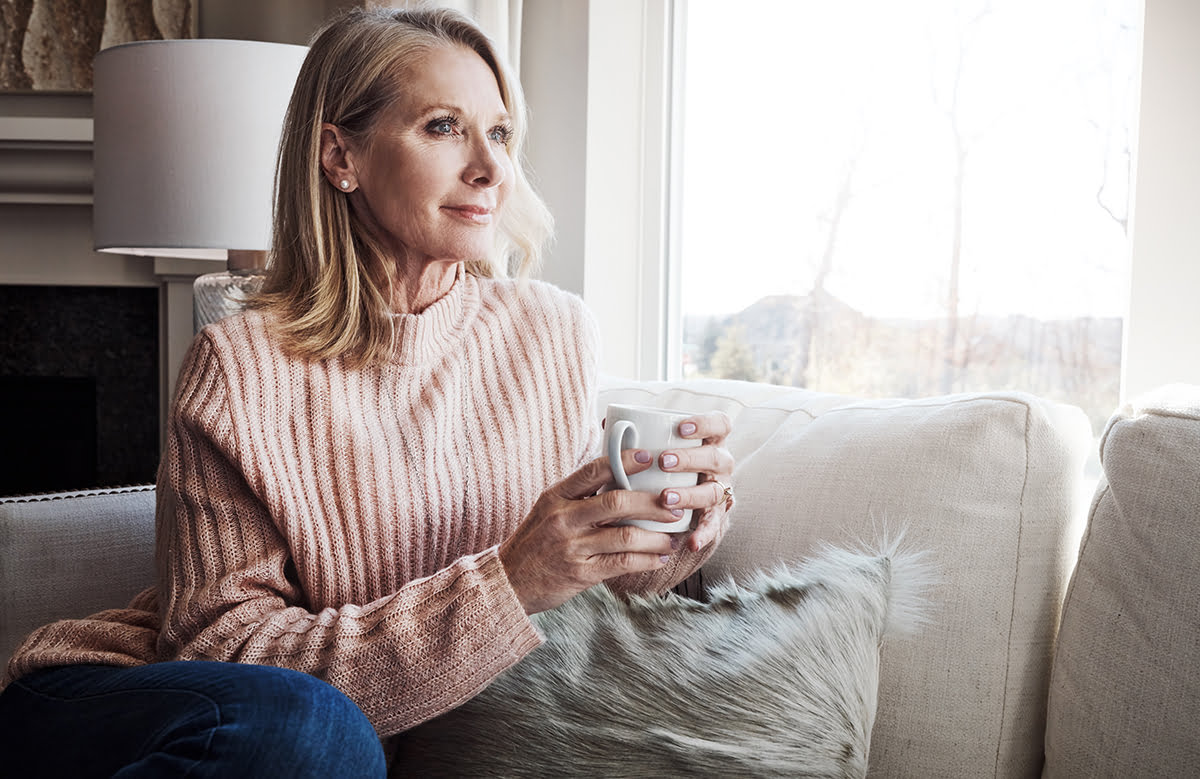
x=418, y=285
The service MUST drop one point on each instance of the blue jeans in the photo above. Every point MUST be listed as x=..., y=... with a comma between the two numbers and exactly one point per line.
x=194, y=719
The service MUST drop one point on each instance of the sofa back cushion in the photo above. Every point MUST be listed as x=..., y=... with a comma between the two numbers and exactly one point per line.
x=990, y=484
x=71, y=554
x=1125, y=692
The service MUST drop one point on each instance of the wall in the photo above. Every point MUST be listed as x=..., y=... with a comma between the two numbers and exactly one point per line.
x=277, y=21
x=554, y=68
x=596, y=76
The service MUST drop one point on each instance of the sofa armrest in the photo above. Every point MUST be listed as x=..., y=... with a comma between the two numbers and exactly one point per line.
x=1125, y=692
x=71, y=554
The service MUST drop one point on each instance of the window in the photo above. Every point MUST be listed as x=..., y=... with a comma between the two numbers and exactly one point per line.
x=883, y=198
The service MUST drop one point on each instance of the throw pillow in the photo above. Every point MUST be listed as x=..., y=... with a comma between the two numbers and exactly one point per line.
x=777, y=678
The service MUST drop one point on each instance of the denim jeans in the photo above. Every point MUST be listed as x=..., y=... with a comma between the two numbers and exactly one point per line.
x=194, y=719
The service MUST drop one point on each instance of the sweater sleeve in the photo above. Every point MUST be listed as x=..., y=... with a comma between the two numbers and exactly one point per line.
x=228, y=592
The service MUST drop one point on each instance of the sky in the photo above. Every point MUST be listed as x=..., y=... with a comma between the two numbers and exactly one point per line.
x=786, y=103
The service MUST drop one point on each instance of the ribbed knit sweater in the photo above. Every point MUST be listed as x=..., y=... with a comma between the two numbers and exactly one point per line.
x=345, y=522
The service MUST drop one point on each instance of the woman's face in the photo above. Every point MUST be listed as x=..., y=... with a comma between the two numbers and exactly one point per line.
x=436, y=171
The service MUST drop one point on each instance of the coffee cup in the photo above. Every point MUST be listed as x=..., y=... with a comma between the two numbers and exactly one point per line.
x=656, y=430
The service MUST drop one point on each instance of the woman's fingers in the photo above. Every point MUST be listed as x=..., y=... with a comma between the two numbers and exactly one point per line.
x=708, y=529
x=706, y=494
x=614, y=506
x=712, y=427
x=712, y=460
x=699, y=459
x=588, y=480
x=628, y=539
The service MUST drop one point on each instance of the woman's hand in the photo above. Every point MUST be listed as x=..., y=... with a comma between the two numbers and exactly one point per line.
x=569, y=542
x=714, y=463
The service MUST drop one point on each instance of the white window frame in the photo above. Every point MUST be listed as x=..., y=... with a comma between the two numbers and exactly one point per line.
x=618, y=251
x=597, y=75
x=1163, y=318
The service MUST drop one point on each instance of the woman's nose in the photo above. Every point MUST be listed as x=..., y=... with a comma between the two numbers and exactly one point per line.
x=485, y=168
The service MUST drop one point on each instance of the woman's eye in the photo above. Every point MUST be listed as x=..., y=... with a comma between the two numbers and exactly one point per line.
x=442, y=127
x=501, y=135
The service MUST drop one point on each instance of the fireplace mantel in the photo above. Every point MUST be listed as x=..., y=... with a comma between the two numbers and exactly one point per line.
x=46, y=148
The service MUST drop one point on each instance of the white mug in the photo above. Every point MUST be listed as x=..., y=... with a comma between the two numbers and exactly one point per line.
x=656, y=430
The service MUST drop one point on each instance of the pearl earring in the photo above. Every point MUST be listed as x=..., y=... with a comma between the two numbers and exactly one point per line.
x=345, y=184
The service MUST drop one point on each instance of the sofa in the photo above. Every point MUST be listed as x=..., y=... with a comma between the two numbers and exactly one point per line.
x=1062, y=637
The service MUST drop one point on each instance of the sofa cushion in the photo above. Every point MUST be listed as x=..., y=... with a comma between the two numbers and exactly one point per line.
x=991, y=483
x=1125, y=692
x=63, y=558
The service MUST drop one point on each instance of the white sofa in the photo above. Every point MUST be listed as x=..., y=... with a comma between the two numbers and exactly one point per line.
x=992, y=484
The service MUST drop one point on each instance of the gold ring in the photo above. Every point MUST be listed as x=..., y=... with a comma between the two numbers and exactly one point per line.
x=727, y=494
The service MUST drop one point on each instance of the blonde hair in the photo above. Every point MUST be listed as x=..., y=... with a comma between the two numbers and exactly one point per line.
x=328, y=283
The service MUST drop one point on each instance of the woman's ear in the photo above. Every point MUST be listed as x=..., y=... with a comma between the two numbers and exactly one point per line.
x=336, y=160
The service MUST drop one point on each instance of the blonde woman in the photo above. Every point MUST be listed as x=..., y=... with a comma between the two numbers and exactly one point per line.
x=375, y=475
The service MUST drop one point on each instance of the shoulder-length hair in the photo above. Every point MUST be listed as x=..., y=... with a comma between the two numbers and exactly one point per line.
x=328, y=284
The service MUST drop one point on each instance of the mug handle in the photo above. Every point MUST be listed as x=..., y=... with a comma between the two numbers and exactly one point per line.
x=621, y=430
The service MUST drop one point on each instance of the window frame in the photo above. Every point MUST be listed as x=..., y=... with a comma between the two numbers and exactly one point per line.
x=628, y=261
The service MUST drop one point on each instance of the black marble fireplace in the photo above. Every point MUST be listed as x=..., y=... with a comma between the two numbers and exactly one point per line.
x=79, y=386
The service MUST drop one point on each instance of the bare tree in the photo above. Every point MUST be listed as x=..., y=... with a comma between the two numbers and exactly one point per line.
x=962, y=140
x=815, y=318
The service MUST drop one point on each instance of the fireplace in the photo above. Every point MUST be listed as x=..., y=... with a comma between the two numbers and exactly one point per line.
x=86, y=339
x=79, y=387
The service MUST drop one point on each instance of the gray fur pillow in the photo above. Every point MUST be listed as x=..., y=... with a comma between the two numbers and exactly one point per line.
x=778, y=678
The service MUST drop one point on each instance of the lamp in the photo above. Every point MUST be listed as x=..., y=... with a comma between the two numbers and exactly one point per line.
x=186, y=135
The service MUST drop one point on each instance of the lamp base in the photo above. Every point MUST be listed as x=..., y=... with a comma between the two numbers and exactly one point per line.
x=217, y=295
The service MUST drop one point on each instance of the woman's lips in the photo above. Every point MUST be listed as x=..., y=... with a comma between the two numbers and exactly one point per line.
x=479, y=215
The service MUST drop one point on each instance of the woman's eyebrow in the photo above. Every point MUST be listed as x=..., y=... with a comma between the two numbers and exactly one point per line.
x=502, y=116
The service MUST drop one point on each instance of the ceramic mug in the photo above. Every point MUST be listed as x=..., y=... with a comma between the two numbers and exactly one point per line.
x=656, y=430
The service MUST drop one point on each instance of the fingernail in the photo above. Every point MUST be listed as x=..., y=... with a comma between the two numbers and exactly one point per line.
x=687, y=428
x=672, y=498
x=669, y=461
x=641, y=456
x=663, y=558
x=674, y=542
x=677, y=512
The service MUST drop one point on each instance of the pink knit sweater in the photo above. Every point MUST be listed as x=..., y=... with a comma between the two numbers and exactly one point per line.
x=346, y=522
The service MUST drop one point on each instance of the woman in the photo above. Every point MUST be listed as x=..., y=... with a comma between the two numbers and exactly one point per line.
x=379, y=472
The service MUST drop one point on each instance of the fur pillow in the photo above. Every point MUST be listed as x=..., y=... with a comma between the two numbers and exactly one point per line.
x=778, y=678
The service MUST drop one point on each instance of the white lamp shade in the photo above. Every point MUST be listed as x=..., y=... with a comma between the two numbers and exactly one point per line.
x=186, y=135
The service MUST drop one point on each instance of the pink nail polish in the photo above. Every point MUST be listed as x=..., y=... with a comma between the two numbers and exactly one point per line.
x=672, y=498
x=687, y=428
x=641, y=456
x=677, y=512
x=662, y=558
x=669, y=461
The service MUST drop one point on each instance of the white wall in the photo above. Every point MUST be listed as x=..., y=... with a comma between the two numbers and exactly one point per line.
x=595, y=74
x=554, y=67
x=1164, y=314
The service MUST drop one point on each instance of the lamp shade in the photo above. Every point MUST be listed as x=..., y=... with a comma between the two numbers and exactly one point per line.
x=186, y=136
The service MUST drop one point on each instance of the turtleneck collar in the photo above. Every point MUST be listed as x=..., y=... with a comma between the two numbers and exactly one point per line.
x=423, y=337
